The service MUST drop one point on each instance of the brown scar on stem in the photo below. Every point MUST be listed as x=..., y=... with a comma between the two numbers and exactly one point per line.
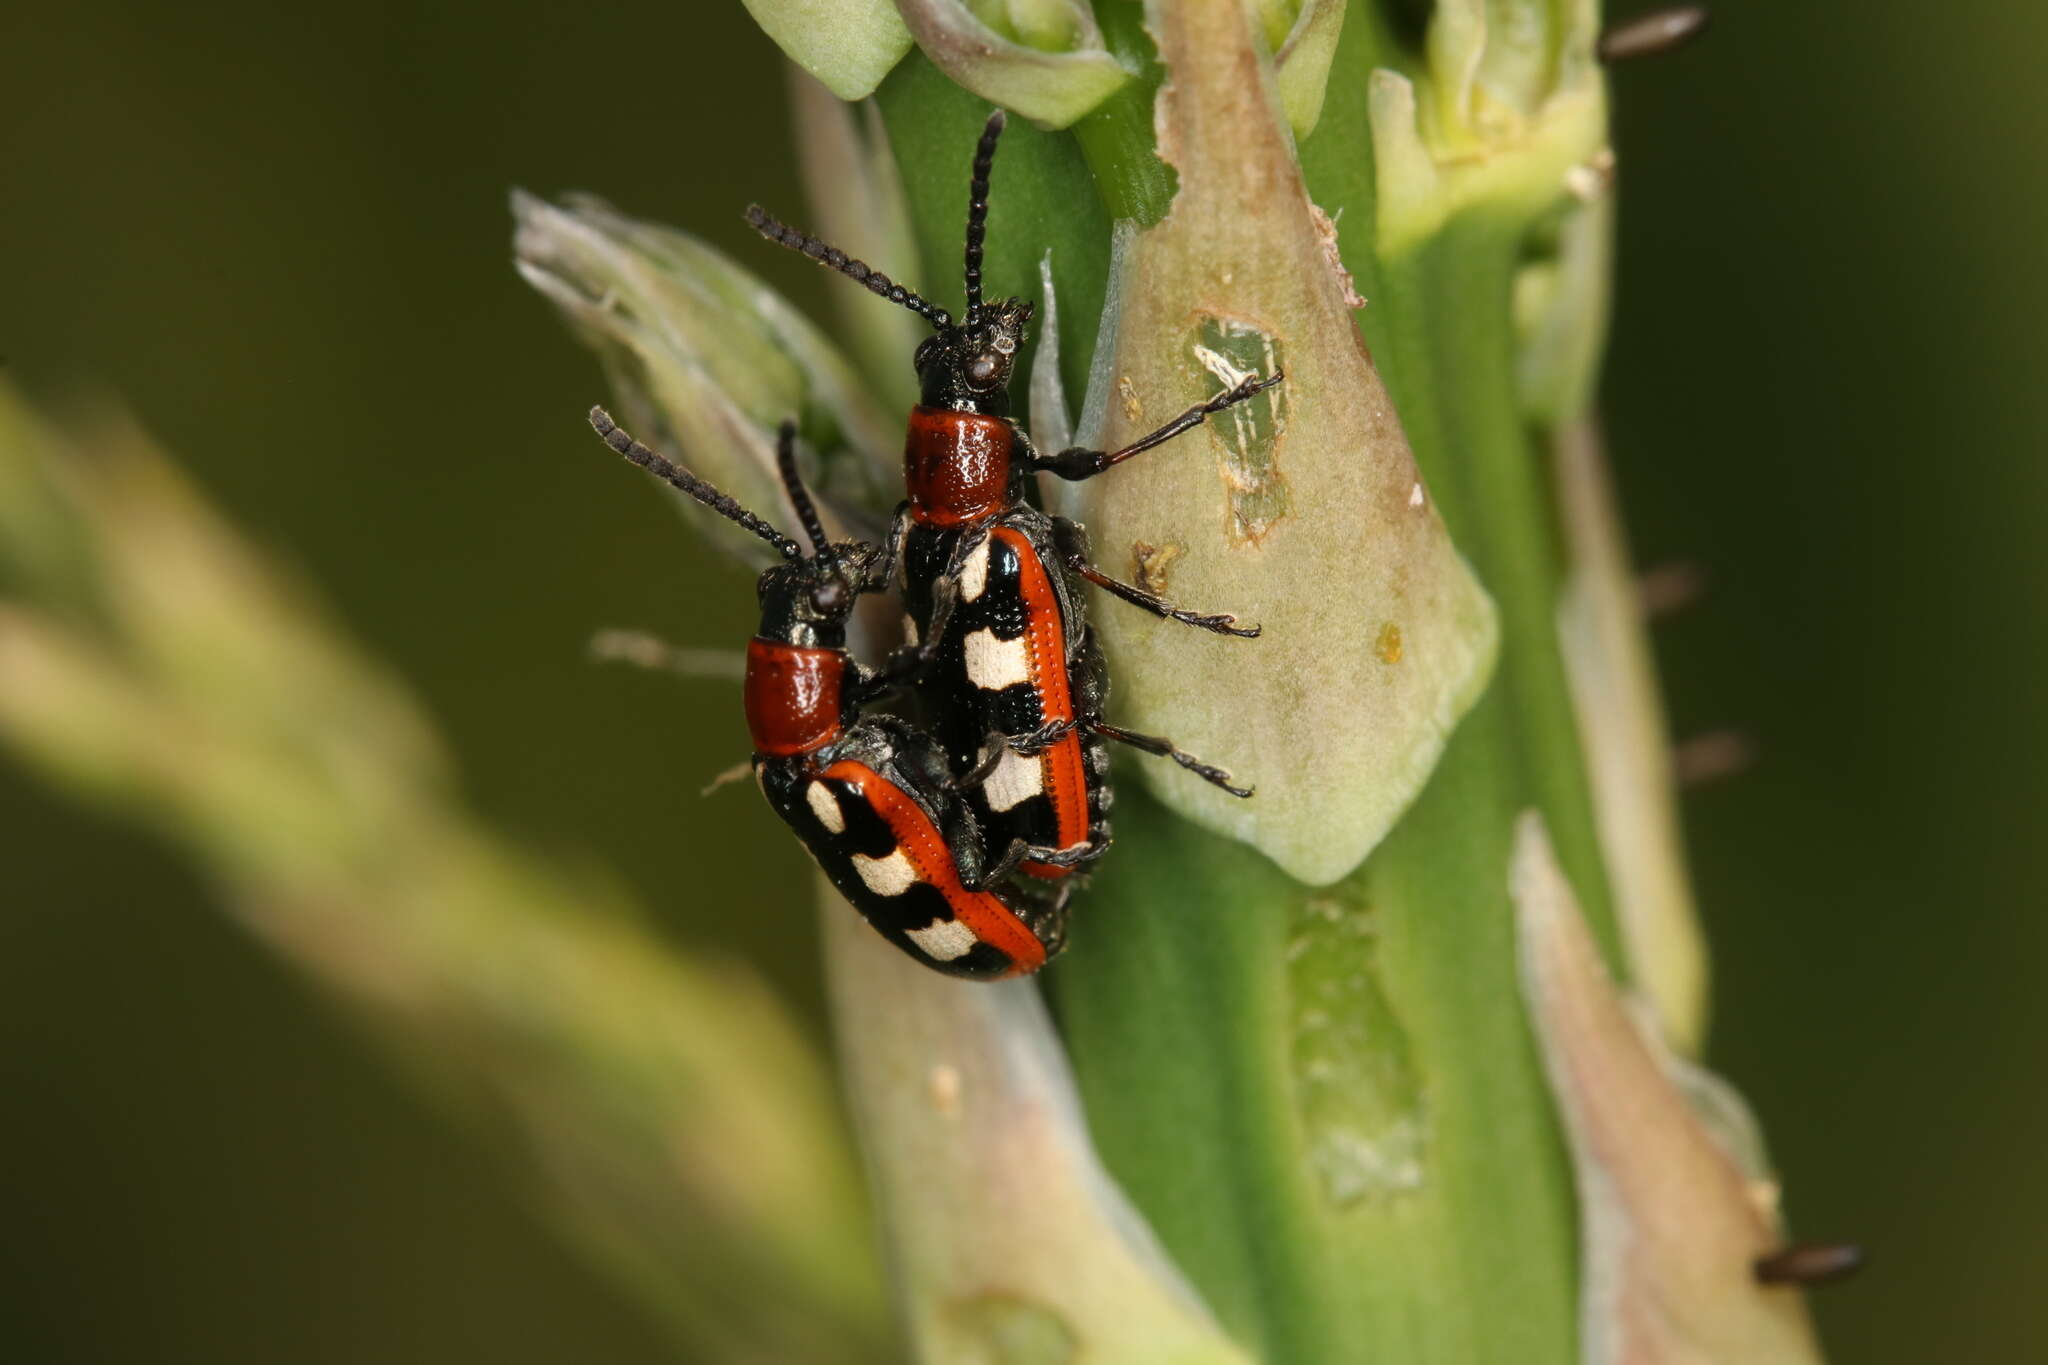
x=1128, y=392
x=1150, y=564
x=1227, y=349
x=1326, y=237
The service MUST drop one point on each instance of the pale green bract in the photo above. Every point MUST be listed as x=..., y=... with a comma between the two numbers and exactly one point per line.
x=707, y=361
x=1302, y=56
x=1053, y=84
x=848, y=44
x=1338, y=711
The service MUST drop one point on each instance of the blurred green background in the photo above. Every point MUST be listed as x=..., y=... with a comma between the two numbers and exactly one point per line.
x=279, y=233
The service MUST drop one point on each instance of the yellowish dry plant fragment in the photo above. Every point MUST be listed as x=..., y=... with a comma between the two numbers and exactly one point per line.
x=1671, y=1225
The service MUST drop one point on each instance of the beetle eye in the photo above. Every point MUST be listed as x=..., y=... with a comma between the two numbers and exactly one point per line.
x=981, y=369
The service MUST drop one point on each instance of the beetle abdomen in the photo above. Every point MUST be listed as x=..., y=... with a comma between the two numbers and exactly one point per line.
x=881, y=848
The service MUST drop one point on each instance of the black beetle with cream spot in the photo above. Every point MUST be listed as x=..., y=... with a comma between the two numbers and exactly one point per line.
x=1011, y=678
x=869, y=795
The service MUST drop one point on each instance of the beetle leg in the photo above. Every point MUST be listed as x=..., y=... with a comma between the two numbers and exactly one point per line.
x=1080, y=463
x=946, y=592
x=1163, y=747
x=1024, y=746
x=1020, y=852
x=902, y=666
x=906, y=661
x=999, y=871
x=1070, y=539
x=1223, y=623
x=884, y=572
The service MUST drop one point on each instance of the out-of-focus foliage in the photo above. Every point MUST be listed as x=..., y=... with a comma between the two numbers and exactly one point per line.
x=673, y=1120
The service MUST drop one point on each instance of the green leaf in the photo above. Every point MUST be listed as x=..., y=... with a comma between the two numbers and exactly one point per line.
x=1049, y=65
x=1041, y=201
x=1508, y=105
x=848, y=44
x=1301, y=61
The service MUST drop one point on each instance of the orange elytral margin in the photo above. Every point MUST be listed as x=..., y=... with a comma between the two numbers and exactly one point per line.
x=1066, y=776
x=990, y=920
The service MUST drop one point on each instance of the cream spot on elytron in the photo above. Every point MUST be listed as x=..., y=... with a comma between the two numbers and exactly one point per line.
x=890, y=876
x=995, y=664
x=825, y=806
x=1016, y=779
x=974, y=573
x=944, y=939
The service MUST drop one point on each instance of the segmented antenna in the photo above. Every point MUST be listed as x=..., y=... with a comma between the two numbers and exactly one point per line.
x=784, y=235
x=601, y=421
x=977, y=210
x=799, y=496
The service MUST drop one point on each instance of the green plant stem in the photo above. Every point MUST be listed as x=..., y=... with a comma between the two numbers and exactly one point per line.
x=1475, y=1263
x=1117, y=137
x=1174, y=1004
x=1450, y=364
x=1041, y=201
x=1327, y=1101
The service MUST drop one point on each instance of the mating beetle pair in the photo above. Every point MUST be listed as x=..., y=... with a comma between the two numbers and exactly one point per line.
x=922, y=831
x=870, y=795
